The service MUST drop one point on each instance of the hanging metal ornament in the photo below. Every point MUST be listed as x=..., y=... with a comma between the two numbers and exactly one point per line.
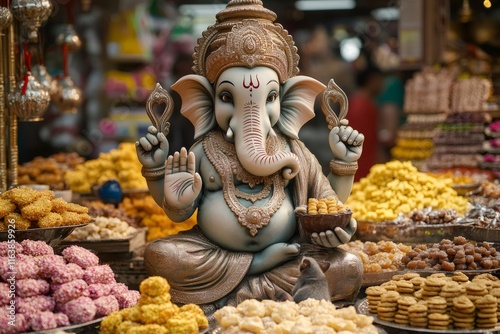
x=45, y=79
x=29, y=99
x=5, y=18
x=68, y=36
x=32, y=14
x=68, y=97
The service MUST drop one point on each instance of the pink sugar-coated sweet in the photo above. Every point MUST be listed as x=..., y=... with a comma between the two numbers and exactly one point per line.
x=47, y=263
x=32, y=287
x=99, y=274
x=44, y=321
x=62, y=319
x=80, y=310
x=36, y=248
x=495, y=126
x=21, y=324
x=4, y=294
x=24, y=266
x=128, y=299
x=118, y=289
x=71, y=290
x=54, y=287
x=36, y=303
x=4, y=248
x=105, y=305
x=80, y=256
x=98, y=290
x=66, y=273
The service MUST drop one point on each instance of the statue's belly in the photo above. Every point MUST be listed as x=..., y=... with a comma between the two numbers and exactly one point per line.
x=220, y=225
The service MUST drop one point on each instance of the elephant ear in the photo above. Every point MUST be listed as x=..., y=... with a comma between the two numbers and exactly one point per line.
x=297, y=104
x=197, y=102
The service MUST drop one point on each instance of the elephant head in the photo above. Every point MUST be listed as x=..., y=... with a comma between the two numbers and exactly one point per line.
x=247, y=103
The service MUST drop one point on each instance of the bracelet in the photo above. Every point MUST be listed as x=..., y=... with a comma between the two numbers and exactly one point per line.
x=175, y=211
x=343, y=168
x=153, y=173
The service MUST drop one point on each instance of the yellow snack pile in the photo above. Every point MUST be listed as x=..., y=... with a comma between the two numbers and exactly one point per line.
x=149, y=214
x=398, y=187
x=155, y=313
x=324, y=206
x=119, y=164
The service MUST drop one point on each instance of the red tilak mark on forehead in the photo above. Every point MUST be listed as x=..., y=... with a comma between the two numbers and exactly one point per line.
x=251, y=85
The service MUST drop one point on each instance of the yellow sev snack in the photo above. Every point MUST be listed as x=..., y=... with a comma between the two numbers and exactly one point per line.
x=325, y=206
x=155, y=313
x=398, y=187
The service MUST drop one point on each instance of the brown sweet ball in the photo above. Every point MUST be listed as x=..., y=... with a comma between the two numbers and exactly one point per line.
x=154, y=286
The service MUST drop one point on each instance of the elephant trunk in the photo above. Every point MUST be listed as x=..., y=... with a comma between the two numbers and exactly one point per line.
x=250, y=143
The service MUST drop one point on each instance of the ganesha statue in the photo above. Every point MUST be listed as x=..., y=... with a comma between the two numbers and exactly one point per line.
x=248, y=173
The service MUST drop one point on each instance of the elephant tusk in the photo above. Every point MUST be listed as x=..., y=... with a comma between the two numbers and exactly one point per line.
x=229, y=133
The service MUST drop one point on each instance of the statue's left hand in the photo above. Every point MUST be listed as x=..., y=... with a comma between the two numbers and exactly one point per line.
x=331, y=239
x=345, y=142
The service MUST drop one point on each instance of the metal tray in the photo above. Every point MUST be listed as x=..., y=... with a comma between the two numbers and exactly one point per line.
x=370, y=279
x=415, y=234
x=51, y=235
x=362, y=308
x=90, y=327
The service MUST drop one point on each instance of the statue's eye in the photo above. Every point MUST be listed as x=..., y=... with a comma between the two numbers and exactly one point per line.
x=272, y=97
x=226, y=97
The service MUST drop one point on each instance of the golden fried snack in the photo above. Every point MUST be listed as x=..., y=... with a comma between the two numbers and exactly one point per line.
x=48, y=194
x=77, y=208
x=84, y=218
x=20, y=222
x=22, y=196
x=47, y=178
x=52, y=219
x=6, y=207
x=70, y=218
x=154, y=286
x=147, y=329
x=183, y=323
x=197, y=312
x=37, y=209
x=110, y=324
x=59, y=205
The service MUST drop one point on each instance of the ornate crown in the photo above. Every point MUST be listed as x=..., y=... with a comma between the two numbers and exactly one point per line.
x=245, y=35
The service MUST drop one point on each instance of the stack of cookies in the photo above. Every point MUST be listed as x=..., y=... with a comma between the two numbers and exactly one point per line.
x=475, y=290
x=373, y=294
x=402, y=316
x=437, y=305
x=432, y=287
x=389, y=286
x=439, y=321
x=449, y=291
x=388, y=305
x=417, y=315
x=463, y=313
x=495, y=292
x=487, y=308
x=405, y=288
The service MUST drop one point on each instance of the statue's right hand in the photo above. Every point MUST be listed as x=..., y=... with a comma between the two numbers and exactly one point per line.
x=182, y=182
x=152, y=149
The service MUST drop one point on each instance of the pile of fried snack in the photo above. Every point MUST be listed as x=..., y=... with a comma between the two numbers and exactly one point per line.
x=438, y=302
x=155, y=313
x=309, y=317
x=28, y=208
x=325, y=206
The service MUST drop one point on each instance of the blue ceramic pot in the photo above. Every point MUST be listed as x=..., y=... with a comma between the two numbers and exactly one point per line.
x=111, y=192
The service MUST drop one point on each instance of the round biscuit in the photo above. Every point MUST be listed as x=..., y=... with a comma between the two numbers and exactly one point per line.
x=401, y=321
x=375, y=291
x=381, y=309
x=438, y=327
x=486, y=314
x=435, y=281
x=418, y=324
x=487, y=320
x=471, y=286
x=386, y=319
x=386, y=314
x=390, y=296
x=408, y=301
x=464, y=314
x=486, y=300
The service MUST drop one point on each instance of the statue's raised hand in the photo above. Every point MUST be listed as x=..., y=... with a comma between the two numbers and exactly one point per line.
x=182, y=182
x=345, y=142
x=152, y=149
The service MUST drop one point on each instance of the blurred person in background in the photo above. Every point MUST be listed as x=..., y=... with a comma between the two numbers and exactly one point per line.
x=363, y=115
